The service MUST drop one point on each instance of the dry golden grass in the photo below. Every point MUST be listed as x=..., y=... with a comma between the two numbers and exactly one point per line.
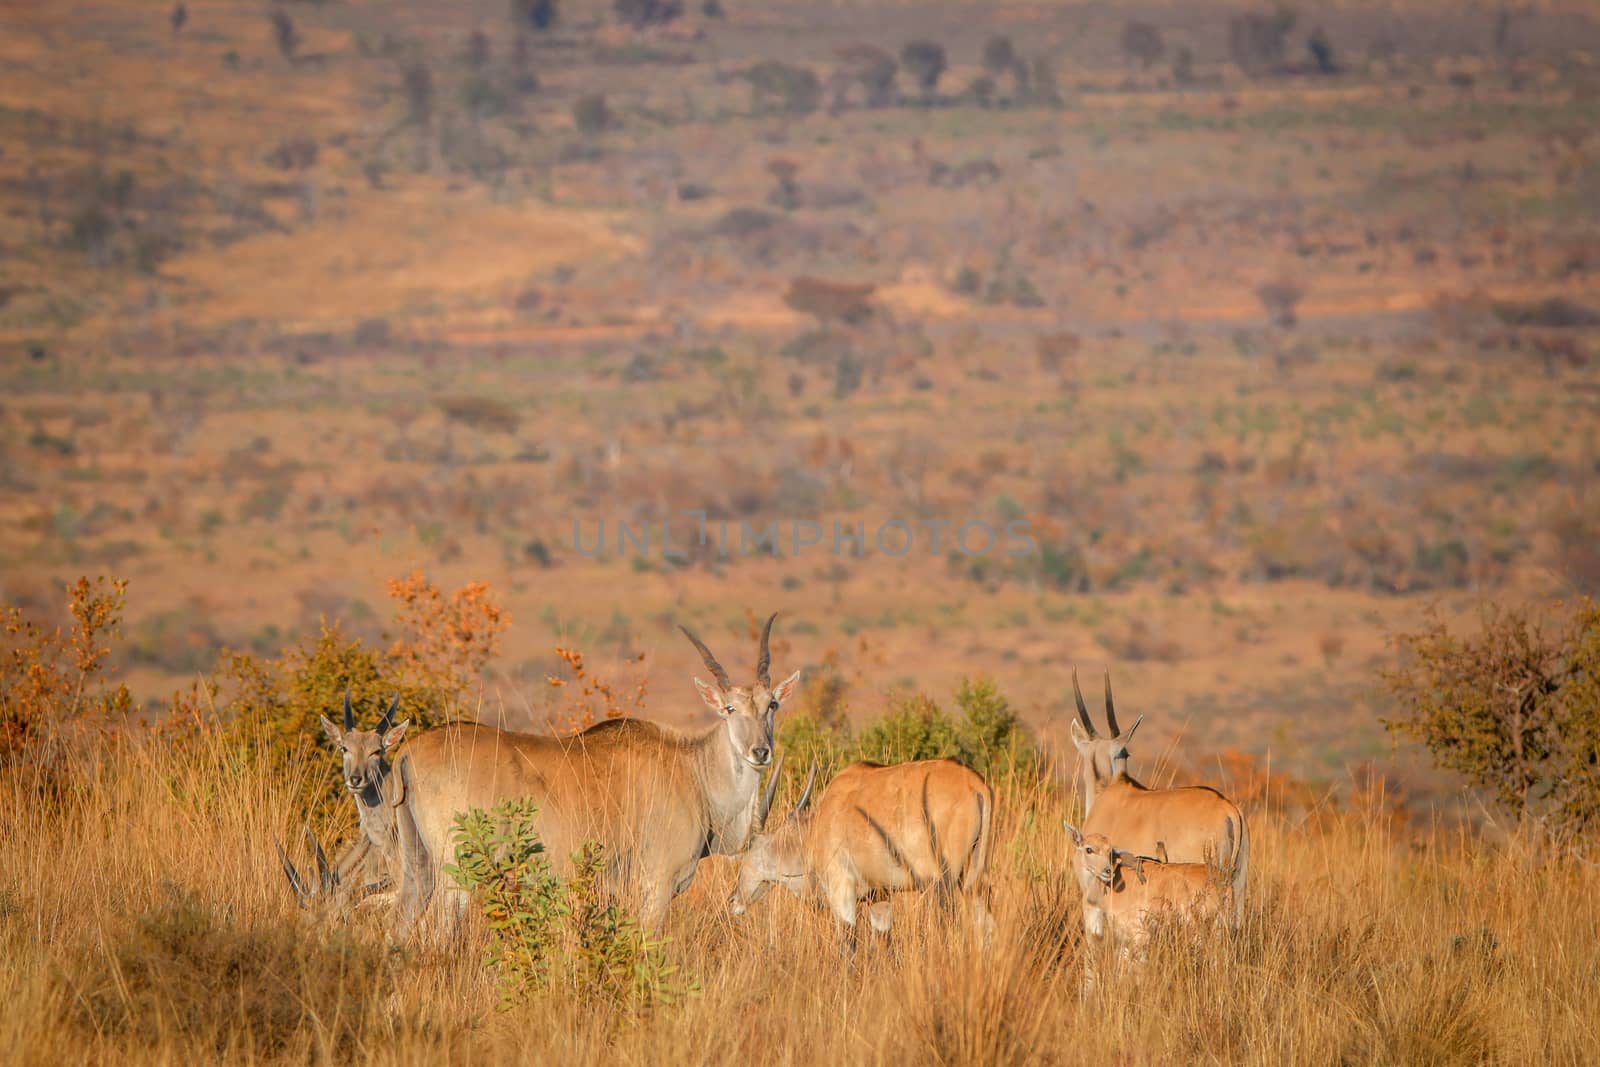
x=384, y=256
x=143, y=919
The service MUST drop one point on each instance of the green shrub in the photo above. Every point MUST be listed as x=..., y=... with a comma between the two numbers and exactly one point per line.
x=914, y=728
x=990, y=738
x=500, y=858
x=614, y=958
x=1513, y=709
x=987, y=735
x=807, y=739
x=541, y=931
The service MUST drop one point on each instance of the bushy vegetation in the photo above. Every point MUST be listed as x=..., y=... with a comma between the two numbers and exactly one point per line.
x=50, y=681
x=985, y=733
x=1515, y=708
x=433, y=666
x=543, y=930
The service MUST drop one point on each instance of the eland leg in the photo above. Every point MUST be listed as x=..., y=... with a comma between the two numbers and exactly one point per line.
x=841, y=897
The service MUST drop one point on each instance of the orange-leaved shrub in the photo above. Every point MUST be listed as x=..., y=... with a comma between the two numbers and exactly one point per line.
x=50, y=679
x=433, y=667
x=586, y=699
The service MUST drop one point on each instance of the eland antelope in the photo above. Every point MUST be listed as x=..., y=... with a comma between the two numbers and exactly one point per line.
x=876, y=829
x=1193, y=822
x=365, y=773
x=657, y=800
x=1128, y=893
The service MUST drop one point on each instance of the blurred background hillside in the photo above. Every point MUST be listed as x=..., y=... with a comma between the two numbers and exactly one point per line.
x=1275, y=327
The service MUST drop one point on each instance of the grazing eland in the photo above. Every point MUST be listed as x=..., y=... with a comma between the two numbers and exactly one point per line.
x=876, y=830
x=365, y=772
x=656, y=799
x=1129, y=893
x=1193, y=822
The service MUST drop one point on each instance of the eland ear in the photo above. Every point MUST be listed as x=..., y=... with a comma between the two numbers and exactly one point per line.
x=1074, y=833
x=396, y=734
x=1080, y=737
x=1132, y=728
x=332, y=731
x=713, y=697
x=786, y=687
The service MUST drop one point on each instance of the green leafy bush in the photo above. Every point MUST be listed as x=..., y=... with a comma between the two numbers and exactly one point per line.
x=614, y=958
x=987, y=735
x=1514, y=709
x=543, y=932
x=277, y=703
x=445, y=642
x=990, y=738
x=500, y=858
x=914, y=728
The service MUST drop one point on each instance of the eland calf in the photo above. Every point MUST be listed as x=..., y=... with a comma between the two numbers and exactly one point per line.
x=876, y=830
x=1127, y=893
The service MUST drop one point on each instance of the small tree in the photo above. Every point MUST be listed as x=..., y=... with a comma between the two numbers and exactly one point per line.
x=417, y=82
x=1516, y=711
x=1183, y=67
x=925, y=62
x=477, y=51
x=1321, y=49
x=49, y=680
x=999, y=55
x=787, y=194
x=1280, y=299
x=285, y=35
x=1141, y=42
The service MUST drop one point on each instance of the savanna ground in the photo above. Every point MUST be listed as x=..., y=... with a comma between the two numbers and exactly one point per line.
x=1269, y=357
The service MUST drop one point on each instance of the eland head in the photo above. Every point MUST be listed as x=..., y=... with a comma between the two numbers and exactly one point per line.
x=1102, y=861
x=1104, y=757
x=365, y=751
x=750, y=712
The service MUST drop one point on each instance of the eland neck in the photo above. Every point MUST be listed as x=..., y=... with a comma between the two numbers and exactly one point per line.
x=730, y=787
